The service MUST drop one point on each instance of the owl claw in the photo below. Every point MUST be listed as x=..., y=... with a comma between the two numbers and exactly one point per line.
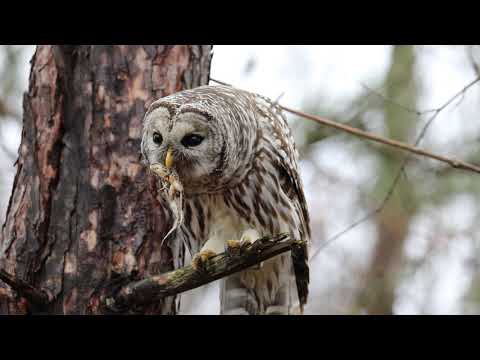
x=201, y=259
x=233, y=247
x=237, y=247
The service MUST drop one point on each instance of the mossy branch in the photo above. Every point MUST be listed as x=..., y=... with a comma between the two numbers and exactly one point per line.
x=153, y=288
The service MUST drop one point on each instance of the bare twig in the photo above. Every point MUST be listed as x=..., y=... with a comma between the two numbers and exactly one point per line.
x=458, y=164
x=220, y=82
x=156, y=287
x=24, y=289
x=385, y=99
x=439, y=109
x=394, y=143
x=360, y=221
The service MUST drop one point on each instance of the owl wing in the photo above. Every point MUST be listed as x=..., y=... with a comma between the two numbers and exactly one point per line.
x=292, y=186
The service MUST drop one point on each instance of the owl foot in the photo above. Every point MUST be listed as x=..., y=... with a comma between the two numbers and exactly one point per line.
x=200, y=260
x=237, y=247
x=249, y=237
x=234, y=247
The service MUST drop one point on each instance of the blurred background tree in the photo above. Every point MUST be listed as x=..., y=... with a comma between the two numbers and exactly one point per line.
x=377, y=295
x=418, y=254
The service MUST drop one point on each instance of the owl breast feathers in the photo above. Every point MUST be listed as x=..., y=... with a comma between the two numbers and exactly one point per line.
x=235, y=157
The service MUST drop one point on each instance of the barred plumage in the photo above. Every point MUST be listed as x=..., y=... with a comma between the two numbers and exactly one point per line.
x=240, y=178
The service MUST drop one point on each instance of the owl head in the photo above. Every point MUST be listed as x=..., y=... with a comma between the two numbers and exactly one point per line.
x=198, y=133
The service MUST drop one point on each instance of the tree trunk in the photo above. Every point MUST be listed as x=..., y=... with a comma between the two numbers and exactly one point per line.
x=377, y=296
x=83, y=208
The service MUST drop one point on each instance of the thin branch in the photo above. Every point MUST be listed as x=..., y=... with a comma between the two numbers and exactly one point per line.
x=385, y=99
x=460, y=93
x=365, y=218
x=220, y=82
x=24, y=289
x=438, y=110
x=458, y=164
x=175, y=282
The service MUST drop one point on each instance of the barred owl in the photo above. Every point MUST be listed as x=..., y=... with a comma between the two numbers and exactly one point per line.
x=234, y=162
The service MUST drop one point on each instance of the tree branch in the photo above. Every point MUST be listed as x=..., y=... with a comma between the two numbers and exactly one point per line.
x=32, y=294
x=458, y=164
x=153, y=288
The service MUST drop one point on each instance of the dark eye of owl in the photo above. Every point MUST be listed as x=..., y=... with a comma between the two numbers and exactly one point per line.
x=157, y=138
x=192, y=140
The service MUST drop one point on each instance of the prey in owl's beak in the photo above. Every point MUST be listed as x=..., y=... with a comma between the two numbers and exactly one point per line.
x=174, y=188
x=163, y=171
x=168, y=174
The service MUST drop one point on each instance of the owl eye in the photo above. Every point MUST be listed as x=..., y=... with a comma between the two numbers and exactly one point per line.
x=192, y=140
x=157, y=138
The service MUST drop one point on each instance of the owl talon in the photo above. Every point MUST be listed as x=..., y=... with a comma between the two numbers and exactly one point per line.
x=201, y=259
x=237, y=247
x=233, y=247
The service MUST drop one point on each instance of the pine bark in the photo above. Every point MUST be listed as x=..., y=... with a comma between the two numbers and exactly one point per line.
x=83, y=208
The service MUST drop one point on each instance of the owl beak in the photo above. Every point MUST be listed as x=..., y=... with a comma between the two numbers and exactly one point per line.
x=169, y=158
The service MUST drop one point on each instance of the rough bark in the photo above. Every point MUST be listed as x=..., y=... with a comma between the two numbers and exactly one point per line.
x=83, y=208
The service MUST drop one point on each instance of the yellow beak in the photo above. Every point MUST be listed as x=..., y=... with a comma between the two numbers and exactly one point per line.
x=169, y=158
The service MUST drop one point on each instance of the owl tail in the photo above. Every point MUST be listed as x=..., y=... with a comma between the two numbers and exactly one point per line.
x=270, y=290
